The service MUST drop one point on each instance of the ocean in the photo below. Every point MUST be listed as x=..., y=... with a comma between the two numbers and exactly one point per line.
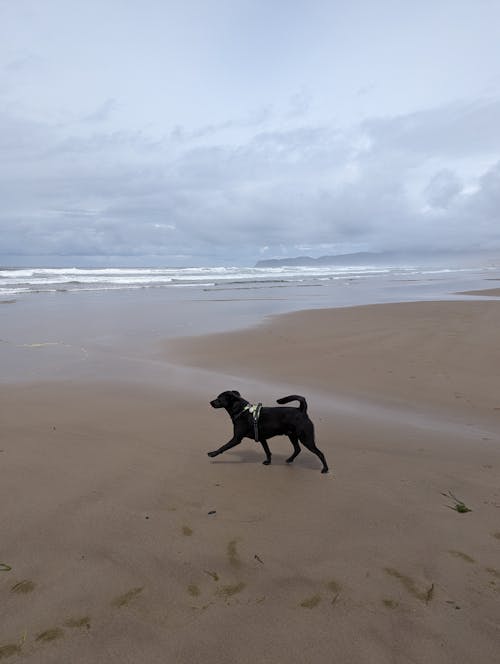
x=113, y=322
x=21, y=281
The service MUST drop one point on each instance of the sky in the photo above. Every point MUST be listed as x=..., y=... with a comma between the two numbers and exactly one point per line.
x=219, y=132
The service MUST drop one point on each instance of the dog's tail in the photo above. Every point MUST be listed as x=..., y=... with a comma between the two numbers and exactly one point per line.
x=295, y=397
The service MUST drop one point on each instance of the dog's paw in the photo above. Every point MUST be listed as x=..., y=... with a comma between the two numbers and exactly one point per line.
x=324, y=471
x=212, y=454
x=267, y=462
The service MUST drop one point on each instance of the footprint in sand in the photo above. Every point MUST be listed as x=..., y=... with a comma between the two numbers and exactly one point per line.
x=493, y=572
x=9, y=649
x=193, y=590
x=78, y=622
x=232, y=553
x=50, y=635
x=461, y=555
x=230, y=590
x=410, y=585
x=311, y=602
x=496, y=575
x=126, y=598
x=334, y=586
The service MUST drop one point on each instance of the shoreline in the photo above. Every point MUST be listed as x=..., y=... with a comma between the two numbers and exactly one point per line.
x=440, y=356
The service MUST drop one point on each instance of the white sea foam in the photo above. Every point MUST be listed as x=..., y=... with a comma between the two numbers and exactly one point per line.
x=49, y=280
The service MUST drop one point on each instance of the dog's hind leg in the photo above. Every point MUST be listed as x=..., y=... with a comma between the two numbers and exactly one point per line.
x=267, y=451
x=311, y=446
x=296, y=447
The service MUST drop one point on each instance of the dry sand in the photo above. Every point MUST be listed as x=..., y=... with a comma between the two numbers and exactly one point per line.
x=106, y=497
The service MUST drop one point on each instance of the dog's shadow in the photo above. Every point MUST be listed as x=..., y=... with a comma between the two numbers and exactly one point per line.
x=252, y=456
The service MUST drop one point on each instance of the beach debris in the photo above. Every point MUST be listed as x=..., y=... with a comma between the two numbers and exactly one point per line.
x=213, y=575
x=429, y=594
x=212, y=512
x=258, y=559
x=24, y=587
x=459, y=505
x=4, y=567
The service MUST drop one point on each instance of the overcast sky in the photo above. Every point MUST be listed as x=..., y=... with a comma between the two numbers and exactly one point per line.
x=167, y=132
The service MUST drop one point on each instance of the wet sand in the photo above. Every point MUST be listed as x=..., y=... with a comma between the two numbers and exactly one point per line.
x=489, y=292
x=126, y=543
x=432, y=357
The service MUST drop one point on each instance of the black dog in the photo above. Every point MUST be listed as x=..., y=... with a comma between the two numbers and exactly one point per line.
x=289, y=421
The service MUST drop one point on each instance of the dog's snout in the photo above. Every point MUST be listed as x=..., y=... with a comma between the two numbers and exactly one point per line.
x=215, y=403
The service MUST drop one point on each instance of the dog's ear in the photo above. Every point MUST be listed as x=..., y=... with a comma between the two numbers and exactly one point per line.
x=236, y=393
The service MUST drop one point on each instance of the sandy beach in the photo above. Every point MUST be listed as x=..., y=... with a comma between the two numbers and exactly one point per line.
x=123, y=542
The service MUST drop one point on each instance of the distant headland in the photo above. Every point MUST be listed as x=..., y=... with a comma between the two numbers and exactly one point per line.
x=389, y=258
x=359, y=258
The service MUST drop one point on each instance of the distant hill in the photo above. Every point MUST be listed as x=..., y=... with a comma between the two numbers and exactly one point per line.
x=430, y=257
x=359, y=258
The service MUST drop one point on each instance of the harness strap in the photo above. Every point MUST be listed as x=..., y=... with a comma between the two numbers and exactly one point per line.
x=255, y=413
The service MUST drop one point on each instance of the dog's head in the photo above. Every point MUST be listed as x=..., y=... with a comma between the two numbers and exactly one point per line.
x=226, y=399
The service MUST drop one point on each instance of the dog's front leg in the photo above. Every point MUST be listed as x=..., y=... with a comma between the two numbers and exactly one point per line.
x=235, y=440
x=267, y=451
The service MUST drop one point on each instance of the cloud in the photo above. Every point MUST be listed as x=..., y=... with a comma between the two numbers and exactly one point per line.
x=300, y=103
x=453, y=130
x=414, y=181
x=25, y=62
x=102, y=112
x=443, y=187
